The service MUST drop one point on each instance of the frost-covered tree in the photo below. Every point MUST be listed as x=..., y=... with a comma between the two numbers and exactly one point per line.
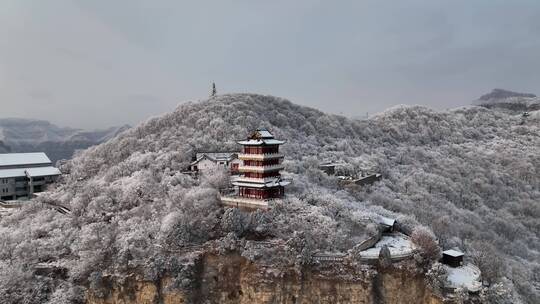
x=471, y=175
x=427, y=243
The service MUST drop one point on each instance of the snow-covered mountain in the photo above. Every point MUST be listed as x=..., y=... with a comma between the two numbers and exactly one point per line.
x=28, y=135
x=511, y=102
x=472, y=175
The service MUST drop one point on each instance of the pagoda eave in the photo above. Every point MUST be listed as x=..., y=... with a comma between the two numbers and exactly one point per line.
x=260, y=169
x=244, y=156
x=260, y=142
x=261, y=185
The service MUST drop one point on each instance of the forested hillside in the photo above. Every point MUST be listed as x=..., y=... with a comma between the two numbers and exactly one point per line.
x=471, y=174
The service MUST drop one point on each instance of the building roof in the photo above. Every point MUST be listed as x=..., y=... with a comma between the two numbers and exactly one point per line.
x=217, y=156
x=386, y=221
x=261, y=136
x=17, y=159
x=7, y=173
x=272, y=183
x=257, y=142
x=42, y=171
x=332, y=163
x=31, y=172
x=251, y=185
x=453, y=253
x=261, y=133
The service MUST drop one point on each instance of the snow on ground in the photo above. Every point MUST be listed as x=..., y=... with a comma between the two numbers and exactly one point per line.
x=399, y=244
x=535, y=114
x=467, y=276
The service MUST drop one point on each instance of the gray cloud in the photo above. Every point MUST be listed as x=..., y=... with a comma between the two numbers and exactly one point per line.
x=339, y=56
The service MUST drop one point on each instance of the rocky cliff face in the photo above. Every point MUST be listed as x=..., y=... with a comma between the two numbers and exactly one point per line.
x=233, y=279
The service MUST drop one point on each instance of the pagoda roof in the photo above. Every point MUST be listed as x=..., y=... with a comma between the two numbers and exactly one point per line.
x=259, y=142
x=261, y=136
x=453, y=253
x=255, y=185
x=271, y=183
x=261, y=133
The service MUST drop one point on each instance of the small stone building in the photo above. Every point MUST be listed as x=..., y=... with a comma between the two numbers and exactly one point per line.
x=387, y=224
x=452, y=258
x=328, y=168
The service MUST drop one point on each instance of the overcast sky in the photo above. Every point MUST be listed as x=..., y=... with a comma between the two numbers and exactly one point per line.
x=94, y=64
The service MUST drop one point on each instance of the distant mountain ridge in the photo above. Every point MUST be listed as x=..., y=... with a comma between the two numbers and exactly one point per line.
x=30, y=135
x=509, y=101
x=500, y=94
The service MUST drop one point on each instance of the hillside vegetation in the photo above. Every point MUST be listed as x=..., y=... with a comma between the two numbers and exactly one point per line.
x=471, y=174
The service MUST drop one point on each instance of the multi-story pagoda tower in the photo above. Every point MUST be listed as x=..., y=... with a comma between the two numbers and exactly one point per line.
x=261, y=165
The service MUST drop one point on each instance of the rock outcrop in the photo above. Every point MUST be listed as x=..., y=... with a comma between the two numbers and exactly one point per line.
x=232, y=279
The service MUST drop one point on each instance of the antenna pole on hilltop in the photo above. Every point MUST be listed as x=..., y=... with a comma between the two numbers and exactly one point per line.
x=214, y=90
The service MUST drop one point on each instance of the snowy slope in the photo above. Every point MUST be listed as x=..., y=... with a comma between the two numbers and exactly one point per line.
x=471, y=174
x=535, y=115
